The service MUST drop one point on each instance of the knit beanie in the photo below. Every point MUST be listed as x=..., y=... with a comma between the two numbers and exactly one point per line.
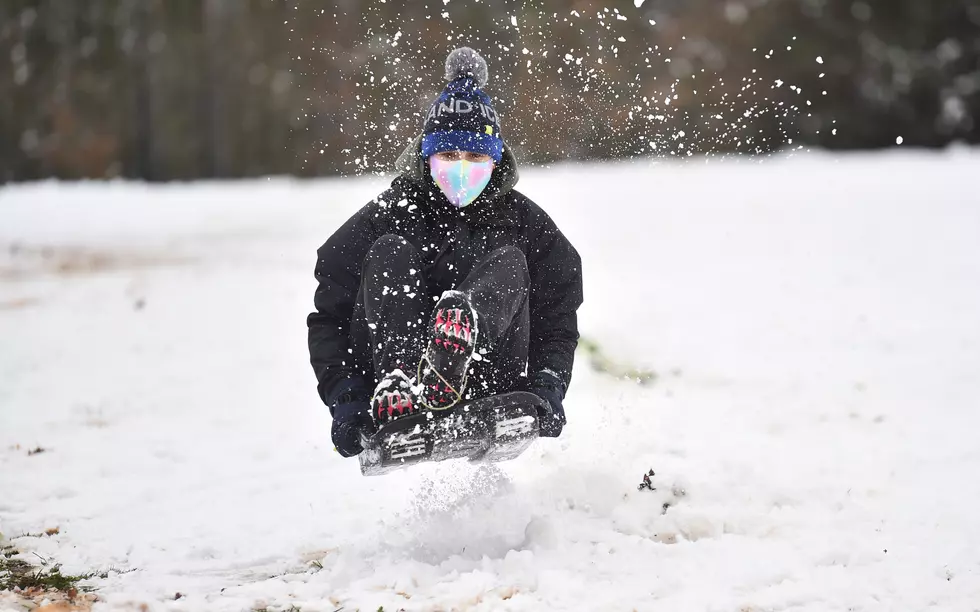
x=462, y=118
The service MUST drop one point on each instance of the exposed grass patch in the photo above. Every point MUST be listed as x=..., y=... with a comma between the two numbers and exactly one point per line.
x=18, y=574
x=33, y=584
x=600, y=362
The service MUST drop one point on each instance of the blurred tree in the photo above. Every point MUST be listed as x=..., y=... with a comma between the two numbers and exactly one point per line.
x=162, y=90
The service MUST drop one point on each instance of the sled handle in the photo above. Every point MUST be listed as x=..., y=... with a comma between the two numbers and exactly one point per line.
x=542, y=404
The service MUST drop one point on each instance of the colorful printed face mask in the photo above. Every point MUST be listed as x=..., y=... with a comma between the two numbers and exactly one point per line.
x=462, y=181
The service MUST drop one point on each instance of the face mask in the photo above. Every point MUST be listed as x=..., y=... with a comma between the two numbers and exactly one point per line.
x=462, y=181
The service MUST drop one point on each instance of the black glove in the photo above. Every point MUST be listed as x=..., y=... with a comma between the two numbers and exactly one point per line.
x=550, y=422
x=351, y=409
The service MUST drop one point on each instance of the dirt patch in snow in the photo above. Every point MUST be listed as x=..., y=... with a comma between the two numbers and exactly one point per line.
x=18, y=303
x=19, y=261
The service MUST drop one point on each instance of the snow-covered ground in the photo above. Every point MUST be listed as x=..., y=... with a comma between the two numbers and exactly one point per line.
x=815, y=323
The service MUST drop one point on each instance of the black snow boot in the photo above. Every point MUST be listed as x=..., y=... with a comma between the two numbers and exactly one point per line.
x=394, y=397
x=443, y=368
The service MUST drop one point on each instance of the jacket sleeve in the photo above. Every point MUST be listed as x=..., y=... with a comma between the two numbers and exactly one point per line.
x=556, y=293
x=338, y=273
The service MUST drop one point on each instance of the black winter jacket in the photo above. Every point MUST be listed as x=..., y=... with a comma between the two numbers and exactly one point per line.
x=450, y=241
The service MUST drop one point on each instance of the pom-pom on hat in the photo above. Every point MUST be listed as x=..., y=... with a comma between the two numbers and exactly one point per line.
x=463, y=118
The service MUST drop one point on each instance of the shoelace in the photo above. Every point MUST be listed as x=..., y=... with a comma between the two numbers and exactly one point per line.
x=459, y=396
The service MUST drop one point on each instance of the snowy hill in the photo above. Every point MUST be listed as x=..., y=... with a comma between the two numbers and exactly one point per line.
x=813, y=428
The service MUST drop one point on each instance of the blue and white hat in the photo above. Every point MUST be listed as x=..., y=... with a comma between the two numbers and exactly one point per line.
x=463, y=118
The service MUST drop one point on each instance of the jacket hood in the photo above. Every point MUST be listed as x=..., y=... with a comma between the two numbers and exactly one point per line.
x=412, y=165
